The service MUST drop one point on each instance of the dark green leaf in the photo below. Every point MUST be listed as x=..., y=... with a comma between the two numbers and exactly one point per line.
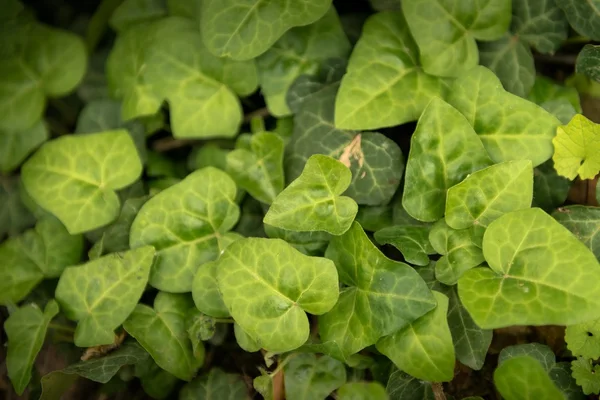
x=412, y=241
x=215, y=385
x=584, y=223
x=310, y=378
x=16, y=145
x=402, y=386
x=550, y=190
x=540, y=24
x=583, y=16
x=588, y=61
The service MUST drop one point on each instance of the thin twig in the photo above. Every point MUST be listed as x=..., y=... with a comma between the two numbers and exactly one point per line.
x=169, y=143
x=438, y=391
x=261, y=112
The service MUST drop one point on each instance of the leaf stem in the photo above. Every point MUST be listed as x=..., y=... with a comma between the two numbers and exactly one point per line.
x=61, y=328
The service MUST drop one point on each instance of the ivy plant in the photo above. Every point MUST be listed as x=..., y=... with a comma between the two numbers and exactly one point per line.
x=300, y=199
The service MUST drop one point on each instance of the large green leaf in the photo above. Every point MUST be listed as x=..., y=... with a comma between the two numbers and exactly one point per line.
x=43, y=252
x=540, y=24
x=362, y=391
x=14, y=215
x=385, y=85
x=460, y=250
x=411, y=241
x=424, y=348
x=577, y=148
x=524, y=378
x=584, y=223
x=102, y=293
x=259, y=170
x=310, y=378
x=187, y=223
x=298, y=52
x=199, y=87
x=381, y=295
x=540, y=275
x=583, y=16
x=511, y=128
x=267, y=285
x=588, y=62
x=26, y=330
x=75, y=177
x=16, y=145
x=444, y=150
x=162, y=332
x=445, y=31
x=313, y=201
x=215, y=385
x=244, y=29
x=375, y=161
x=489, y=193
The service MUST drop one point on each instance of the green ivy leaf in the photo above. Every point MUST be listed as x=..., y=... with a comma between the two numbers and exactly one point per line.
x=562, y=377
x=490, y=193
x=444, y=150
x=384, y=85
x=550, y=190
x=424, y=348
x=411, y=241
x=583, y=222
x=250, y=223
x=403, y=386
x=445, y=31
x=199, y=87
x=216, y=384
x=75, y=177
x=362, y=391
x=308, y=377
x=523, y=377
x=545, y=89
x=309, y=243
x=244, y=29
x=313, y=201
x=586, y=375
x=259, y=170
x=16, y=145
x=538, y=268
x=26, y=330
x=540, y=24
x=187, y=224
x=542, y=353
x=588, y=62
x=162, y=332
x=100, y=294
x=199, y=328
x=244, y=340
x=561, y=109
x=132, y=12
x=43, y=252
x=374, y=282
x=156, y=382
x=577, y=148
x=299, y=52
x=511, y=128
x=376, y=162
x=512, y=61
x=208, y=155
x=375, y=218
x=583, y=16
x=268, y=307
x=205, y=291
x=14, y=215
x=584, y=339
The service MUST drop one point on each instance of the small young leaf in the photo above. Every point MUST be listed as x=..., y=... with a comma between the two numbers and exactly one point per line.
x=374, y=282
x=424, y=348
x=188, y=224
x=162, y=332
x=132, y=12
x=313, y=201
x=259, y=170
x=384, y=85
x=586, y=375
x=550, y=190
x=324, y=374
x=244, y=29
x=445, y=31
x=583, y=222
x=16, y=145
x=511, y=128
x=523, y=377
x=542, y=353
x=584, y=339
x=444, y=150
x=26, y=330
x=411, y=241
x=583, y=16
x=215, y=385
x=102, y=293
x=205, y=291
x=538, y=268
x=199, y=327
x=75, y=177
x=403, y=386
x=588, y=62
x=362, y=391
x=540, y=24
x=577, y=148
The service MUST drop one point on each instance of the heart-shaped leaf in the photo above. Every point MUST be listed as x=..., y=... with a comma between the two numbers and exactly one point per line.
x=374, y=282
x=102, y=293
x=16, y=145
x=577, y=148
x=43, y=252
x=215, y=384
x=384, y=85
x=444, y=150
x=586, y=375
x=523, y=377
x=244, y=29
x=313, y=201
x=187, y=223
x=26, y=330
x=511, y=128
x=540, y=24
x=584, y=223
x=489, y=193
x=412, y=241
x=445, y=31
x=540, y=275
x=583, y=16
x=259, y=170
x=162, y=332
x=325, y=374
x=423, y=348
x=267, y=285
x=75, y=177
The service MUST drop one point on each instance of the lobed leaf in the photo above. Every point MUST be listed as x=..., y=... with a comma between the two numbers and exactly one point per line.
x=577, y=148
x=583, y=16
x=586, y=375
x=583, y=339
x=540, y=24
